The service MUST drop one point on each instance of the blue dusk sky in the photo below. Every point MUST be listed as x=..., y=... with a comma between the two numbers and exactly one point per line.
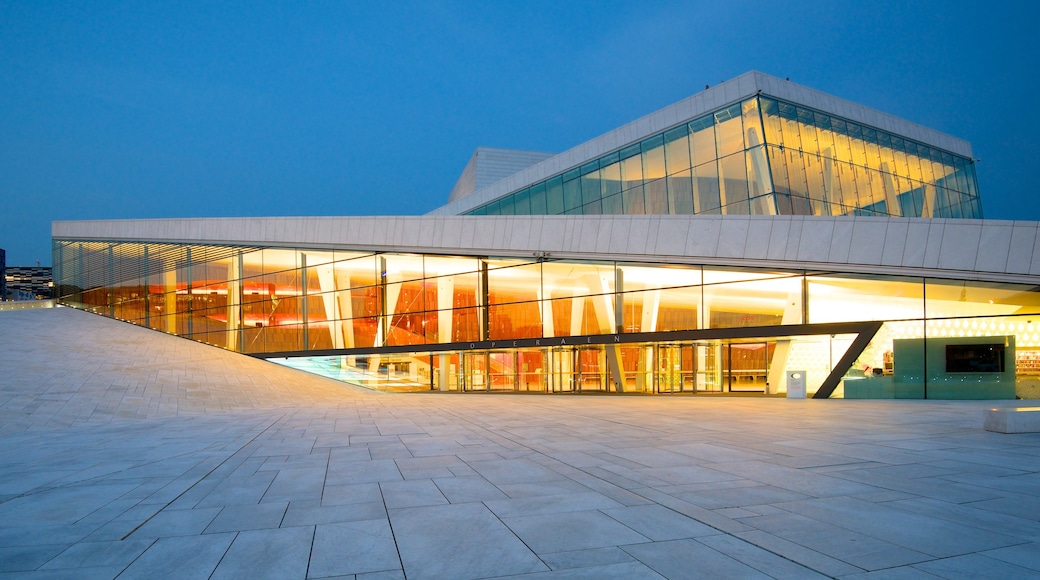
x=163, y=109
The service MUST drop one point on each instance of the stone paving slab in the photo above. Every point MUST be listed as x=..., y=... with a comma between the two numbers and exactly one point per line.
x=131, y=453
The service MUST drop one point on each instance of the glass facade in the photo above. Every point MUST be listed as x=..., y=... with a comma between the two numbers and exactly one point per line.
x=761, y=156
x=419, y=322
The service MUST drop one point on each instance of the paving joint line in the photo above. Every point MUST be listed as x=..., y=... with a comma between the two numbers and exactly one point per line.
x=201, y=479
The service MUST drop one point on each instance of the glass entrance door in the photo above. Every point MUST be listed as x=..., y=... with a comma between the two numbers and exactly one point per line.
x=592, y=368
x=561, y=377
x=473, y=371
x=676, y=368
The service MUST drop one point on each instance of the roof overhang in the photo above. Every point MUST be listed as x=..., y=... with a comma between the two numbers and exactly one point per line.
x=984, y=250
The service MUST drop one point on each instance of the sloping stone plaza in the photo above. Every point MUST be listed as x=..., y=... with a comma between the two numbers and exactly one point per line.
x=126, y=452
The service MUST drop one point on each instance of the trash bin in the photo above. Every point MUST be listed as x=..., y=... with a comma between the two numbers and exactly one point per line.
x=795, y=384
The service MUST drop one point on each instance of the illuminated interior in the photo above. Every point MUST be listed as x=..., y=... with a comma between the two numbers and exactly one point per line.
x=434, y=322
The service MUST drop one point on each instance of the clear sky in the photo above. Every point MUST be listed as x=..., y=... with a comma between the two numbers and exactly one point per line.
x=163, y=109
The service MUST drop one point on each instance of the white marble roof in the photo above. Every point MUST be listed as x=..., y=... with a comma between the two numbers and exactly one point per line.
x=947, y=248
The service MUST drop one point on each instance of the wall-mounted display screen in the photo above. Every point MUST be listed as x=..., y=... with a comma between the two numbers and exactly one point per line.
x=975, y=358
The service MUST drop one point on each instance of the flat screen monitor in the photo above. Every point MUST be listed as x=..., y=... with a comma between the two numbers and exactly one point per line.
x=975, y=358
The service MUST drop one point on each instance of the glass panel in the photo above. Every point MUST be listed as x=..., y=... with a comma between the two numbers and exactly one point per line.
x=590, y=186
x=702, y=140
x=653, y=158
x=554, y=196
x=571, y=194
x=842, y=149
x=778, y=164
x=950, y=298
x=789, y=122
x=807, y=131
x=613, y=205
x=706, y=188
x=538, y=206
x=758, y=172
x=771, y=117
x=656, y=194
x=719, y=275
x=677, y=150
x=728, y=131
x=506, y=206
x=764, y=302
x=733, y=181
x=838, y=298
x=753, y=136
x=522, y=199
x=573, y=279
x=632, y=201
x=871, y=147
x=513, y=281
x=849, y=190
x=647, y=277
x=680, y=193
x=610, y=179
x=632, y=172
x=516, y=320
x=865, y=198
x=814, y=183
x=679, y=308
x=763, y=205
x=824, y=135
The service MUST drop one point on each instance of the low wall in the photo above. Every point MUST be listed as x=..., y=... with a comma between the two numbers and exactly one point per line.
x=25, y=305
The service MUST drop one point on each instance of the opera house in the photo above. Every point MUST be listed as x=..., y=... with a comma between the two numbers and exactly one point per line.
x=758, y=237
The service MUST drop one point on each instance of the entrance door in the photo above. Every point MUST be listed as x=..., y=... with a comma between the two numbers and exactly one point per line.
x=676, y=368
x=592, y=368
x=473, y=371
x=561, y=376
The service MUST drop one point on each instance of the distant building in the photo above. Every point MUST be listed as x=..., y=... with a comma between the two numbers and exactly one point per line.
x=28, y=283
x=3, y=275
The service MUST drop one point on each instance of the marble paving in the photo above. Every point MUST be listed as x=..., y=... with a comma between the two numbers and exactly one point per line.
x=129, y=453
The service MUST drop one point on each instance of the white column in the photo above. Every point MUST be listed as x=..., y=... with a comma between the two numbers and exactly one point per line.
x=327, y=284
x=443, y=360
x=792, y=315
x=170, y=295
x=603, y=302
x=234, y=299
x=445, y=302
x=577, y=314
x=545, y=304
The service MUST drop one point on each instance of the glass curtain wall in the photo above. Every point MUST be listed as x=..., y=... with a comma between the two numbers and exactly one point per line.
x=761, y=157
x=293, y=301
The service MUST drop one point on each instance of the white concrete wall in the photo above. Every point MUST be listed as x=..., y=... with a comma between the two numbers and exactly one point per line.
x=489, y=165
